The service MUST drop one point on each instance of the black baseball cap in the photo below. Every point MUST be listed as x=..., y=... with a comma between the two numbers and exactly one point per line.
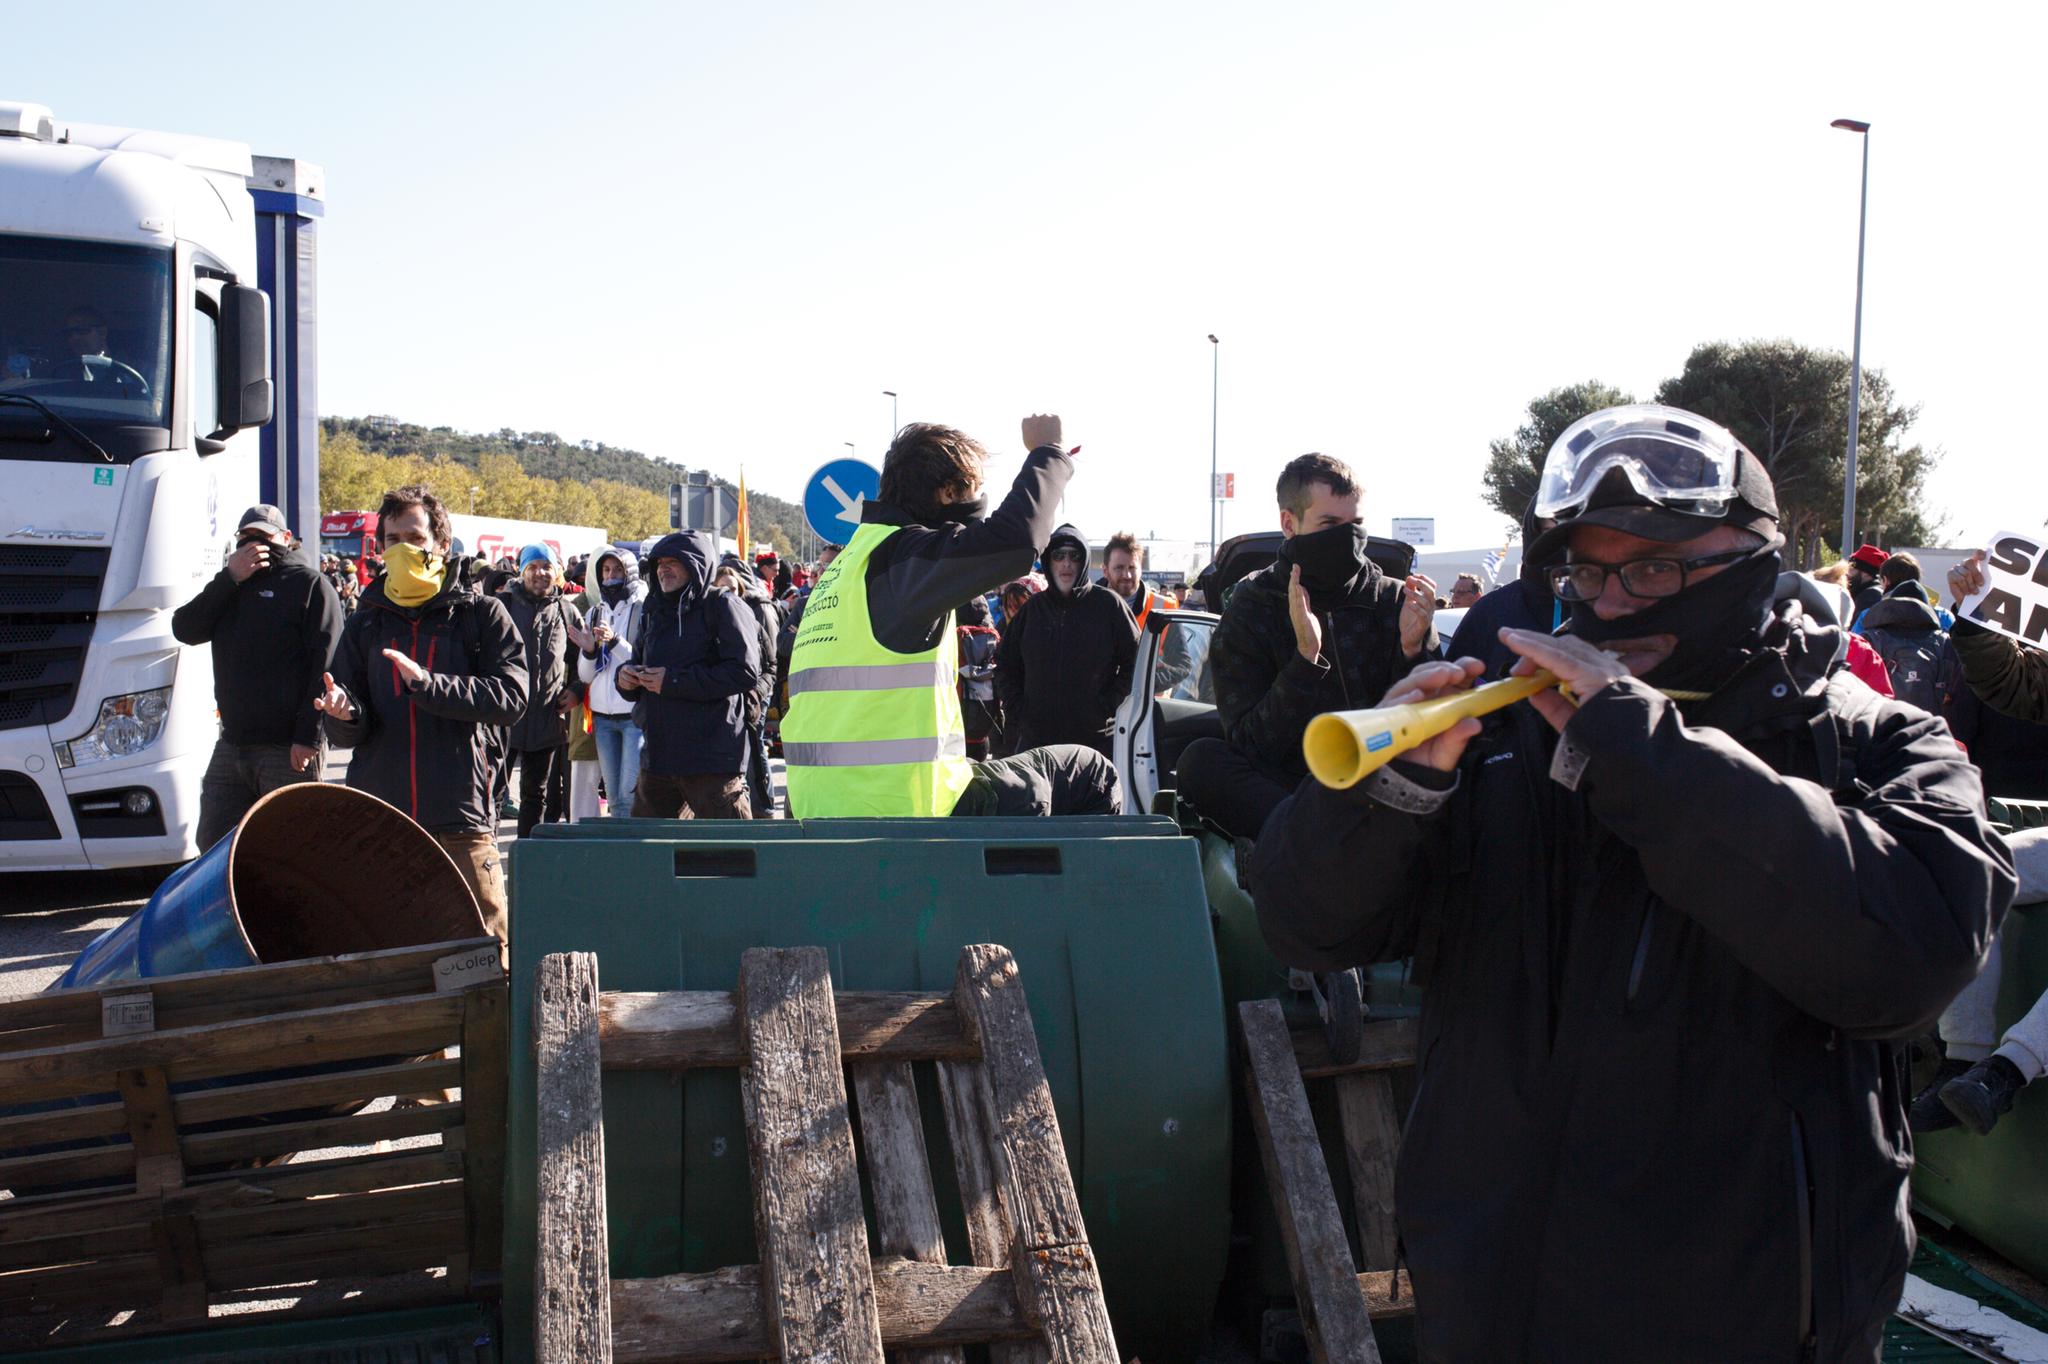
x=266, y=516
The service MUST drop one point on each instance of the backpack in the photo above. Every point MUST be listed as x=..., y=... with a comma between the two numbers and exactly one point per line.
x=1924, y=667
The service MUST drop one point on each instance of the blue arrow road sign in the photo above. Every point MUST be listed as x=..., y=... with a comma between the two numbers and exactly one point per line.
x=833, y=498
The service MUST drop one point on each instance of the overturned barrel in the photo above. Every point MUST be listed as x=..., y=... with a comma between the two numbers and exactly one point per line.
x=313, y=870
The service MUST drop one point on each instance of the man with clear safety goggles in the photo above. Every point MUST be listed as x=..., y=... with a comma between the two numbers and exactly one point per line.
x=1676, y=921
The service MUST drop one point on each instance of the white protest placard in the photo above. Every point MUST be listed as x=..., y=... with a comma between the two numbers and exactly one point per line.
x=2015, y=597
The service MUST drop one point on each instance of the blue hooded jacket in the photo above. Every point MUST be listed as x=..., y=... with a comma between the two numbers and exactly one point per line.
x=696, y=724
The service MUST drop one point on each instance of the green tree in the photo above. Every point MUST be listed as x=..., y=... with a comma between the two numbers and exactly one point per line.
x=1514, y=463
x=1790, y=405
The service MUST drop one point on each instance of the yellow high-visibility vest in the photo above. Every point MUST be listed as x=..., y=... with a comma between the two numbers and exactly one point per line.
x=870, y=732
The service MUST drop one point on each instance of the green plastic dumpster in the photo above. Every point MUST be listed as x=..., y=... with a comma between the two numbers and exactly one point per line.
x=1108, y=923
x=1996, y=1187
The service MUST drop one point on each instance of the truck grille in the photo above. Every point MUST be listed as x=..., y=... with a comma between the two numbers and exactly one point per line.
x=49, y=596
x=23, y=811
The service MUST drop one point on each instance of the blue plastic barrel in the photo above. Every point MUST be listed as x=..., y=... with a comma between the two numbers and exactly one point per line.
x=313, y=870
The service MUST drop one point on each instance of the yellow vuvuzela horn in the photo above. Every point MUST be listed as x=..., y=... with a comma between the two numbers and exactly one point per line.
x=1344, y=747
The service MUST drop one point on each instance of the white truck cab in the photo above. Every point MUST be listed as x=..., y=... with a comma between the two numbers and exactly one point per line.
x=136, y=367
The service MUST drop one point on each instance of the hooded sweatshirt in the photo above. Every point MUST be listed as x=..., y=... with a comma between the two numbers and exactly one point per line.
x=1064, y=664
x=696, y=724
x=599, y=668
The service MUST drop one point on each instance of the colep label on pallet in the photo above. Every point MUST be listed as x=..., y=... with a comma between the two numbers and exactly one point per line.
x=459, y=969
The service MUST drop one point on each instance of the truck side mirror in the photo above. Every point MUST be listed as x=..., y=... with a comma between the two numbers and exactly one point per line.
x=246, y=397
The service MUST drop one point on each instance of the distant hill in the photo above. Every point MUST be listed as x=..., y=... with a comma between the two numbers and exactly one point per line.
x=543, y=454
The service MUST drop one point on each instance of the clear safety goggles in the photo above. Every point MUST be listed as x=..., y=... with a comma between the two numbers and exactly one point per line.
x=1672, y=458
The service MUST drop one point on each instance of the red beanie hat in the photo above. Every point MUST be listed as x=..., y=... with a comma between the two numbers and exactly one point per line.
x=1870, y=556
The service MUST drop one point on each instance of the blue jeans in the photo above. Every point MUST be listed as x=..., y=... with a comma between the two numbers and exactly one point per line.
x=618, y=753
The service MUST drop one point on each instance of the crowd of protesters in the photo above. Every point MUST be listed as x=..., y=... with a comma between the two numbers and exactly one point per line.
x=1714, y=885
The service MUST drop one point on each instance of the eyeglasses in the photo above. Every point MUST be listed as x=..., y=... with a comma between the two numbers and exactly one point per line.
x=1069, y=556
x=1585, y=581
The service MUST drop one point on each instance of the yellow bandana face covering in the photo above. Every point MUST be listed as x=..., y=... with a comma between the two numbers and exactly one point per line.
x=412, y=577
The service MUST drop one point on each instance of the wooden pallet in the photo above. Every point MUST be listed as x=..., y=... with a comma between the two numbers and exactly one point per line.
x=821, y=1290
x=149, y=1131
x=1336, y=1300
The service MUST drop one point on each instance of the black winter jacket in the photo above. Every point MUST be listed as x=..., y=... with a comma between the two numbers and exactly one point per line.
x=434, y=753
x=708, y=642
x=1064, y=665
x=543, y=625
x=273, y=635
x=1266, y=692
x=2006, y=675
x=1660, y=1112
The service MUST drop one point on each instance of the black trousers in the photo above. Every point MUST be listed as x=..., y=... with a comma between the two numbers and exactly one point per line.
x=1227, y=788
x=543, y=787
x=760, y=781
x=1063, y=779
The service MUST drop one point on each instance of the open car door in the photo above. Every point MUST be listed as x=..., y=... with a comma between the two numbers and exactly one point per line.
x=1172, y=703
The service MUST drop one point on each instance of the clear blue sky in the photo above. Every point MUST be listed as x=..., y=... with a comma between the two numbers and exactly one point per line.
x=717, y=232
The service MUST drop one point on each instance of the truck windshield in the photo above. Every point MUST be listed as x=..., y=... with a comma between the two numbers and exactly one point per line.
x=85, y=329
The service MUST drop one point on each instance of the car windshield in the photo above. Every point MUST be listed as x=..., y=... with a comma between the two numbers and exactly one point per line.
x=85, y=330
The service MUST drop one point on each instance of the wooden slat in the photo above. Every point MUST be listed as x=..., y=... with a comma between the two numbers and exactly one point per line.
x=700, y=1318
x=1057, y=1269
x=408, y=1025
x=695, y=1029
x=286, y=1138
x=152, y=1129
x=129, y=1282
x=132, y=1237
x=30, y=1219
x=67, y=1167
x=88, y=1122
x=402, y=970
x=899, y=1175
x=417, y=1243
x=1385, y=1298
x=382, y=1206
x=406, y=1079
x=981, y=1203
x=1372, y=1139
x=1389, y=1044
x=1326, y=1290
x=572, y=1265
x=818, y=1286
x=179, y=1266
x=484, y=1063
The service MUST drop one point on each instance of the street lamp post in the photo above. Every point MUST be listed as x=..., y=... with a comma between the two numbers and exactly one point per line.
x=894, y=425
x=472, y=500
x=1215, y=372
x=1862, y=130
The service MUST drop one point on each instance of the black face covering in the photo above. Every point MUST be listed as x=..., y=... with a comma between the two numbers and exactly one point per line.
x=1329, y=559
x=963, y=513
x=613, y=593
x=1718, y=623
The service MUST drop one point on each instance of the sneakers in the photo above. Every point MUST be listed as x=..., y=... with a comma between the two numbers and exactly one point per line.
x=1929, y=1113
x=1983, y=1092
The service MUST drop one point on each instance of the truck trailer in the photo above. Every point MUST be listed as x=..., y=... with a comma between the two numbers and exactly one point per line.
x=156, y=378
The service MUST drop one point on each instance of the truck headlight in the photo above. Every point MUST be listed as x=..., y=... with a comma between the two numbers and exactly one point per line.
x=127, y=725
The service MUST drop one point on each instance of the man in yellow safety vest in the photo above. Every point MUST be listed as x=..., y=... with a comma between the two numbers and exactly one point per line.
x=874, y=725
